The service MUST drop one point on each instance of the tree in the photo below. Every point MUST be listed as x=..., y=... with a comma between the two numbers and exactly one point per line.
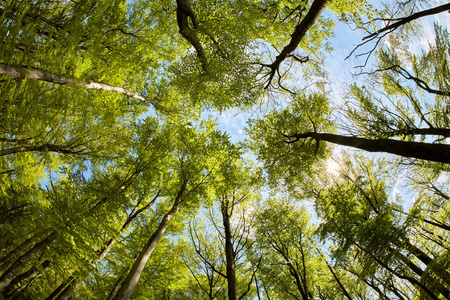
x=194, y=165
x=223, y=253
x=292, y=267
x=106, y=156
x=362, y=223
x=394, y=120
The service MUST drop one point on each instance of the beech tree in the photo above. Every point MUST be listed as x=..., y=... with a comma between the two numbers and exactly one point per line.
x=107, y=153
x=292, y=265
x=223, y=253
x=375, y=231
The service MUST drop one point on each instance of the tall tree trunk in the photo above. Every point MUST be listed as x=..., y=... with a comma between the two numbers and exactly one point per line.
x=132, y=279
x=15, y=294
x=23, y=246
x=184, y=12
x=68, y=291
x=21, y=277
x=298, y=280
x=116, y=287
x=229, y=252
x=426, y=151
x=60, y=287
x=34, y=74
x=344, y=291
x=70, y=288
x=15, y=268
x=44, y=148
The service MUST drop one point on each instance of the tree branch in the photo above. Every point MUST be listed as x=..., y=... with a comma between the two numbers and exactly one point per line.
x=300, y=31
x=185, y=11
x=403, y=21
x=426, y=151
x=39, y=75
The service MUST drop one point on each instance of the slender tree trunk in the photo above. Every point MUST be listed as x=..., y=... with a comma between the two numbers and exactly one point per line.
x=229, y=253
x=14, y=294
x=121, y=189
x=23, y=246
x=34, y=74
x=184, y=12
x=376, y=289
x=70, y=288
x=43, y=148
x=426, y=151
x=298, y=280
x=15, y=268
x=68, y=291
x=132, y=279
x=21, y=277
x=344, y=291
x=422, y=256
x=58, y=290
x=116, y=287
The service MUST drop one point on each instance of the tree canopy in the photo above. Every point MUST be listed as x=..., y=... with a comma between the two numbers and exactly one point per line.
x=116, y=181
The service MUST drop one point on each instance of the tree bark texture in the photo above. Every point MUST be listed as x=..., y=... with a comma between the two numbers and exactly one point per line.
x=229, y=253
x=17, y=266
x=21, y=277
x=34, y=74
x=132, y=279
x=23, y=246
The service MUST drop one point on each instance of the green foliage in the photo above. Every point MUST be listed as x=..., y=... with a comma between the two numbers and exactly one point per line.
x=77, y=163
x=269, y=138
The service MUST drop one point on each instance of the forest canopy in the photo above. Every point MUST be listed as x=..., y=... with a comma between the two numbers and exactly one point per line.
x=118, y=179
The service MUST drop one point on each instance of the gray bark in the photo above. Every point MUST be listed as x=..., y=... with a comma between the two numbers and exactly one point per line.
x=34, y=74
x=132, y=279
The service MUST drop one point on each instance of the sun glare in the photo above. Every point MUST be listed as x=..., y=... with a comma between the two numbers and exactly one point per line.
x=333, y=168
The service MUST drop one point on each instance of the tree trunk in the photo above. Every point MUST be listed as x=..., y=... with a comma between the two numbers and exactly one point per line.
x=432, y=152
x=68, y=291
x=15, y=294
x=70, y=288
x=43, y=148
x=58, y=290
x=34, y=74
x=184, y=12
x=15, y=268
x=19, y=278
x=121, y=189
x=298, y=280
x=229, y=253
x=344, y=291
x=132, y=279
x=23, y=246
x=116, y=287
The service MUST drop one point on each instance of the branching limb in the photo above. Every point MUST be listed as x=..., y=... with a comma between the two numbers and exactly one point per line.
x=403, y=21
x=184, y=12
x=300, y=31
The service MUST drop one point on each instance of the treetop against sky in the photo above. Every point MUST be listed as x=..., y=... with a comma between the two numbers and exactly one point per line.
x=169, y=149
